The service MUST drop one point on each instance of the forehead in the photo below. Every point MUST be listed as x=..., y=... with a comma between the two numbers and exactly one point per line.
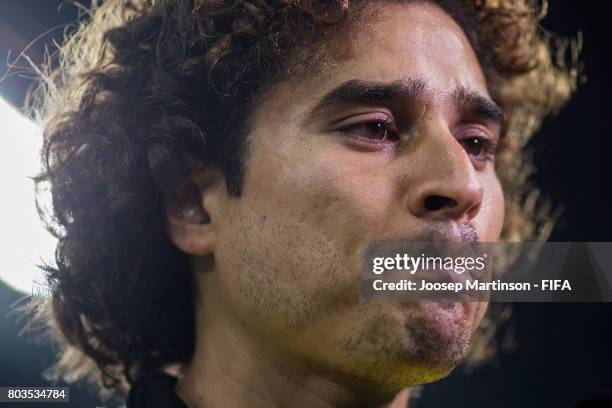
x=415, y=40
x=394, y=41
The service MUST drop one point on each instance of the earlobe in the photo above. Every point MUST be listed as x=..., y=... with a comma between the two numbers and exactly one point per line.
x=190, y=233
x=190, y=215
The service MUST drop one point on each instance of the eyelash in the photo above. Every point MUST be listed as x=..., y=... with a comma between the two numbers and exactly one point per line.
x=391, y=133
x=489, y=147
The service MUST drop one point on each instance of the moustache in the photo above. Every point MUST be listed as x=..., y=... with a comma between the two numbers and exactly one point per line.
x=445, y=232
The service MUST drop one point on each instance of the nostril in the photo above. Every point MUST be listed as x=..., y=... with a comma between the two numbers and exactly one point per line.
x=436, y=202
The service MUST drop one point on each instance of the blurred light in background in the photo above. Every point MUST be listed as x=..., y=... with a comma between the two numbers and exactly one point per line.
x=24, y=242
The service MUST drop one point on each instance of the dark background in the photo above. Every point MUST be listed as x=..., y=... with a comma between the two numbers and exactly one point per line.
x=563, y=356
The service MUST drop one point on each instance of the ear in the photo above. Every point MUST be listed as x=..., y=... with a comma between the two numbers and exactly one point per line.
x=191, y=213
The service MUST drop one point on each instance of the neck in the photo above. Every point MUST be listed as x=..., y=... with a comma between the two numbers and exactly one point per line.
x=231, y=367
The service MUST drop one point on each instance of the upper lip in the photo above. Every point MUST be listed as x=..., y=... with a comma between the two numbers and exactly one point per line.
x=449, y=232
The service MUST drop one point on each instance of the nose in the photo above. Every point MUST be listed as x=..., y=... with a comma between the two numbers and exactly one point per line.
x=447, y=187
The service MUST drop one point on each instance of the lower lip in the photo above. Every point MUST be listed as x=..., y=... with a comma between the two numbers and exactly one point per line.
x=468, y=307
x=442, y=276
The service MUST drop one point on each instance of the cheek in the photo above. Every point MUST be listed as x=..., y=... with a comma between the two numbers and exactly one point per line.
x=291, y=248
x=490, y=220
x=347, y=195
x=326, y=190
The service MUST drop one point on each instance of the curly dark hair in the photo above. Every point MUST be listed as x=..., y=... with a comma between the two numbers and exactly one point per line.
x=148, y=92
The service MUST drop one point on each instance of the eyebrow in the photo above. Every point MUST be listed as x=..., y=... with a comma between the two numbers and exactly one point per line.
x=363, y=92
x=358, y=92
x=475, y=104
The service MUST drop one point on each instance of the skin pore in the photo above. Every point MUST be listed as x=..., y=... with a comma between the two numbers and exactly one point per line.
x=395, y=142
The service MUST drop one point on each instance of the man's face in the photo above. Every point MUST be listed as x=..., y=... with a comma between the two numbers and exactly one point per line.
x=393, y=141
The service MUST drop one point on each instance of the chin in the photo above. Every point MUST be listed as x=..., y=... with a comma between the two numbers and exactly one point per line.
x=435, y=339
x=437, y=334
x=409, y=344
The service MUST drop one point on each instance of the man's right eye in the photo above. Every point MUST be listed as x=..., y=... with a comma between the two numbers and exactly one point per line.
x=377, y=131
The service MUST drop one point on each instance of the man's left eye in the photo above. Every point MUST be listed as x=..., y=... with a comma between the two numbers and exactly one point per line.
x=478, y=147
